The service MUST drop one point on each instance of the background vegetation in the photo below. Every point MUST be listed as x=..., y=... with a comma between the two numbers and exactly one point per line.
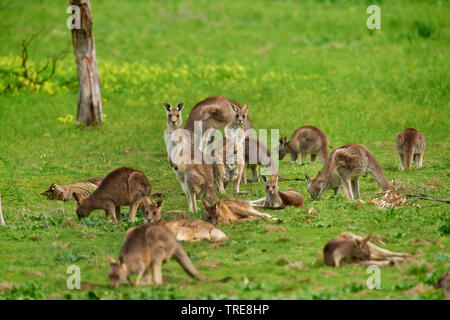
x=296, y=63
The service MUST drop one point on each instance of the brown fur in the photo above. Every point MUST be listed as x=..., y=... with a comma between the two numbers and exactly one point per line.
x=344, y=166
x=304, y=140
x=349, y=247
x=149, y=246
x=121, y=187
x=410, y=145
x=231, y=211
x=230, y=154
x=263, y=156
x=444, y=283
x=276, y=198
x=184, y=229
x=64, y=192
x=195, y=179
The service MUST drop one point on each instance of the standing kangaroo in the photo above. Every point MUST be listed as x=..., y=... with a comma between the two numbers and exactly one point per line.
x=276, y=198
x=196, y=179
x=410, y=144
x=231, y=211
x=121, y=187
x=149, y=246
x=213, y=113
x=344, y=166
x=304, y=140
x=230, y=160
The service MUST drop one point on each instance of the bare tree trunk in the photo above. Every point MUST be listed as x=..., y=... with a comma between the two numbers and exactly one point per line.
x=90, y=108
x=2, y=221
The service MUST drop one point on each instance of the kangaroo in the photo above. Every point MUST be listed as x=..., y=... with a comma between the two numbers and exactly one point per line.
x=174, y=122
x=121, y=187
x=213, y=113
x=344, y=166
x=196, y=179
x=231, y=211
x=64, y=192
x=149, y=246
x=349, y=246
x=304, y=140
x=252, y=161
x=276, y=198
x=229, y=155
x=410, y=144
x=185, y=229
x=444, y=283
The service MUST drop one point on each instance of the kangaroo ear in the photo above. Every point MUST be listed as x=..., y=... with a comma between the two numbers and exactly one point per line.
x=367, y=238
x=110, y=260
x=357, y=242
x=159, y=203
x=283, y=141
x=307, y=178
x=75, y=196
x=264, y=179
x=217, y=205
x=205, y=204
x=275, y=177
x=180, y=106
x=245, y=107
x=235, y=109
x=167, y=106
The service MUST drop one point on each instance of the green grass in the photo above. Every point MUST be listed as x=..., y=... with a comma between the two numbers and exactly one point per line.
x=296, y=63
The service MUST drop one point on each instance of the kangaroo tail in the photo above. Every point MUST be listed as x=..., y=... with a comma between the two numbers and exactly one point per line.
x=186, y=263
x=409, y=153
x=378, y=174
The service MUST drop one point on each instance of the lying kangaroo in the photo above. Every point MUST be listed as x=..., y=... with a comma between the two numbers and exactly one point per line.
x=121, y=187
x=278, y=199
x=231, y=211
x=229, y=155
x=344, y=166
x=410, y=144
x=351, y=247
x=64, y=192
x=304, y=140
x=212, y=113
x=252, y=160
x=149, y=246
x=185, y=229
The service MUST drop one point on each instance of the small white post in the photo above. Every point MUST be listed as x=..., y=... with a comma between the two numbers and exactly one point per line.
x=2, y=221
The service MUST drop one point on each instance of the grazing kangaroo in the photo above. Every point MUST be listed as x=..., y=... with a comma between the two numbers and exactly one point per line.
x=262, y=156
x=149, y=246
x=229, y=155
x=304, y=140
x=344, y=166
x=231, y=211
x=213, y=113
x=410, y=144
x=351, y=247
x=184, y=229
x=276, y=198
x=121, y=187
x=64, y=192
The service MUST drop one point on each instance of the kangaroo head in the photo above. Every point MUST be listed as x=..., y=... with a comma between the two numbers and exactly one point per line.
x=316, y=186
x=240, y=114
x=53, y=192
x=211, y=212
x=282, y=148
x=117, y=271
x=82, y=209
x=271, y=184
x=361, y=249
x=152, y=211
x=174, y=118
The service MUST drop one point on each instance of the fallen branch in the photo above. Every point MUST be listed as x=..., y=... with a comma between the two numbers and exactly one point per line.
x=2, y=221
x=426, y=197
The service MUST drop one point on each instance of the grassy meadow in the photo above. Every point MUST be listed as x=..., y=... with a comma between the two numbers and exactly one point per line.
x=296, y=63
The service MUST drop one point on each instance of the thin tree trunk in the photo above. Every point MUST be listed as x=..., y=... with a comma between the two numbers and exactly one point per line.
x=90, y=108
x=2, y=221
